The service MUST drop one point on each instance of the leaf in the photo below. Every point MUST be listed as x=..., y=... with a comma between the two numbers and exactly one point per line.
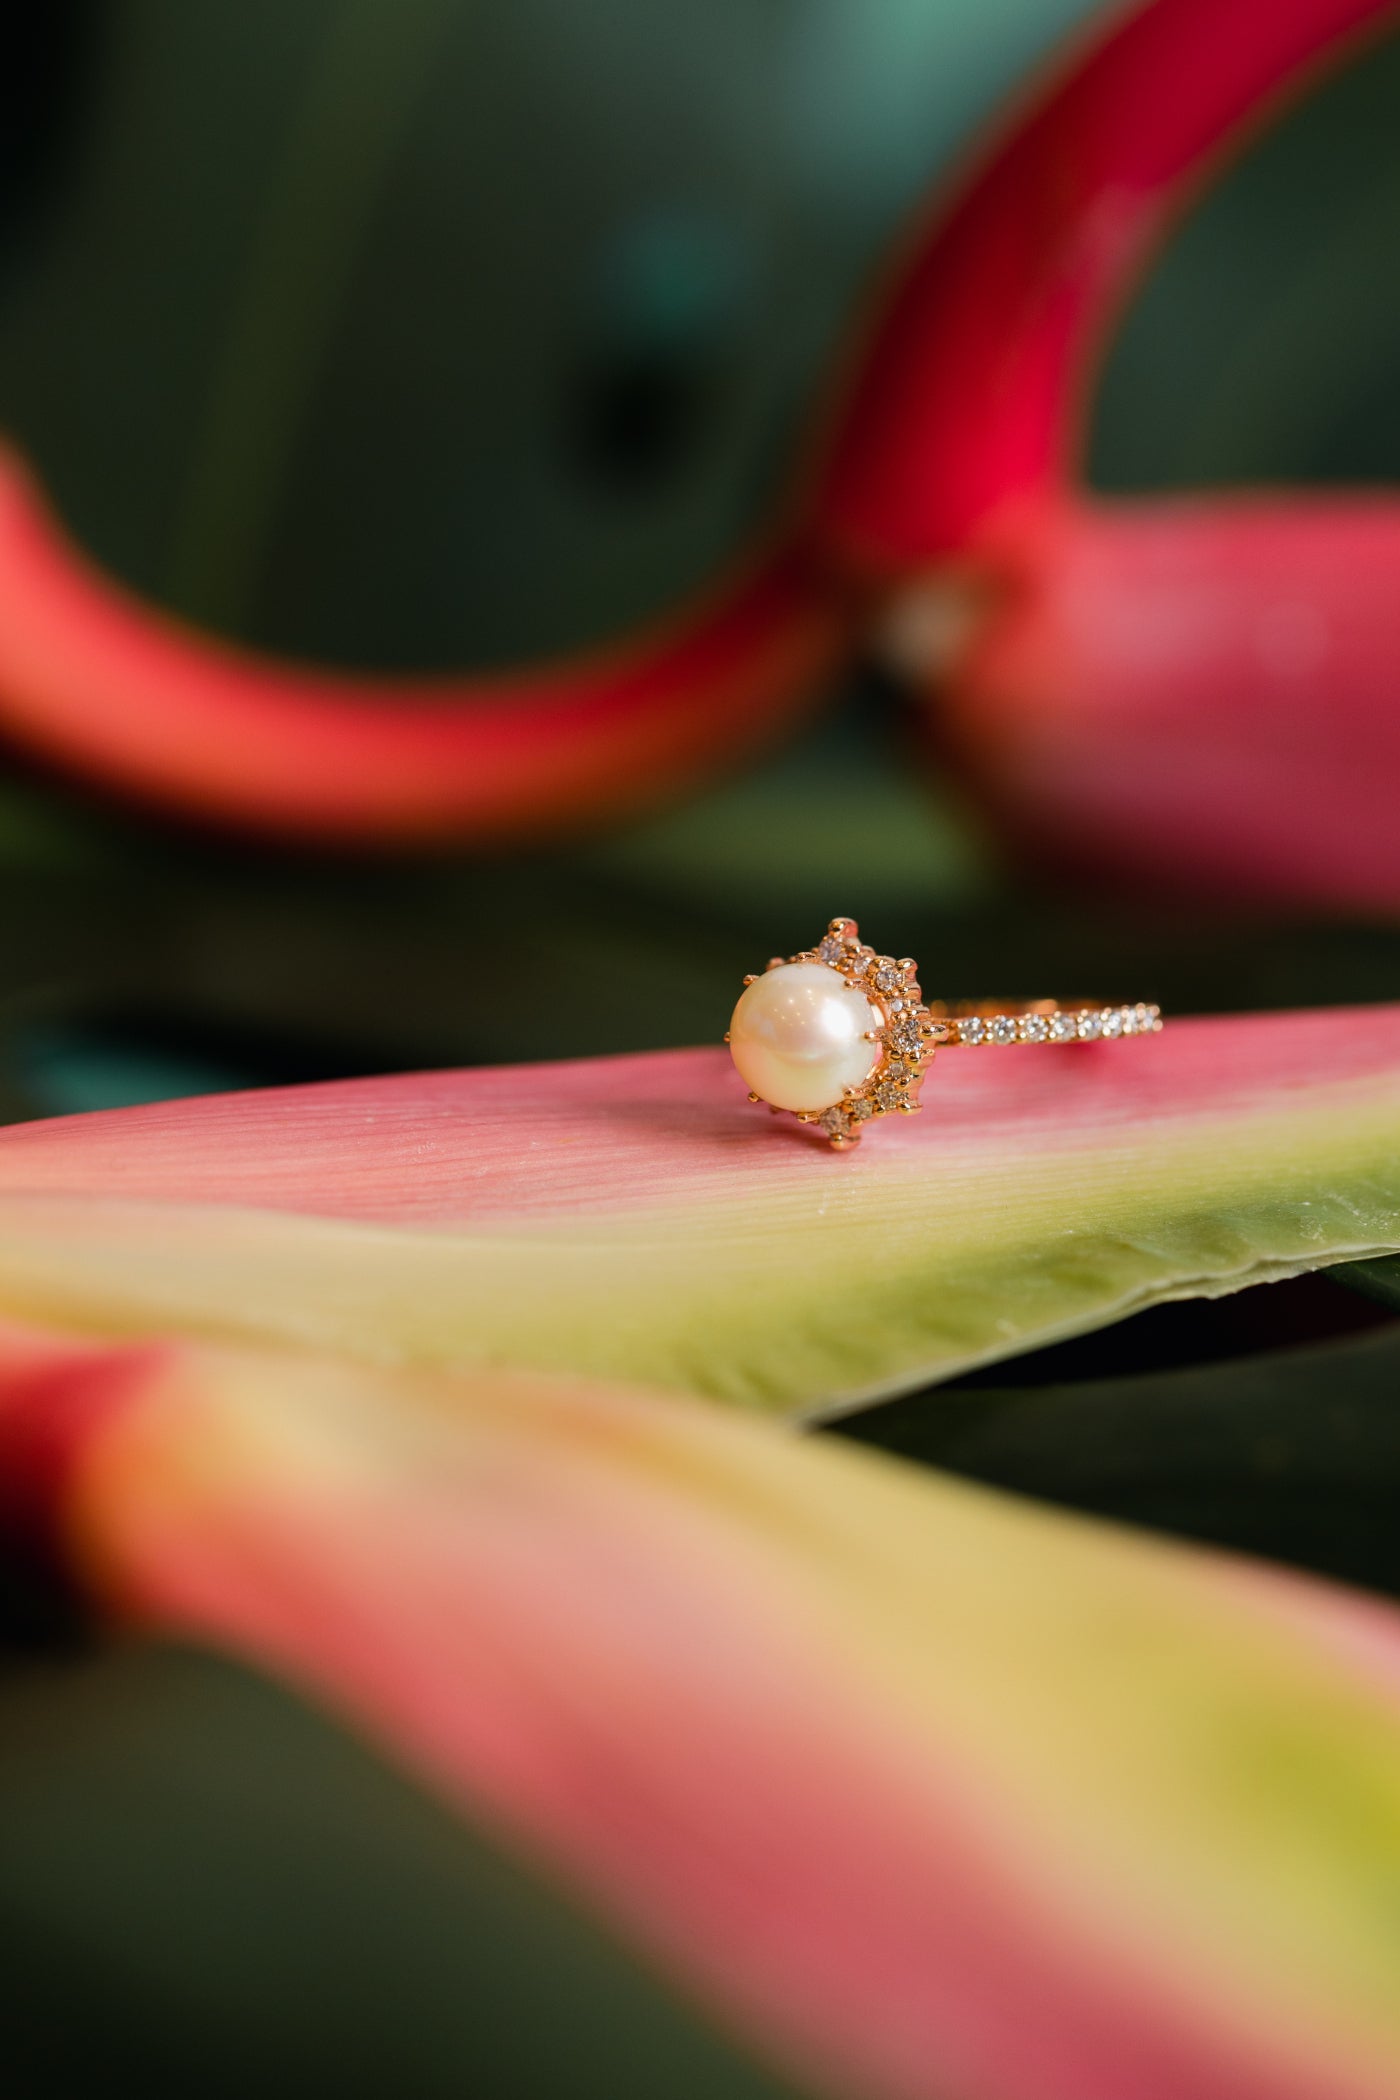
x=207, y=1887
x=634, y=1217
x=1374, y=1279
x=925, y=1789
x=1293, y=1454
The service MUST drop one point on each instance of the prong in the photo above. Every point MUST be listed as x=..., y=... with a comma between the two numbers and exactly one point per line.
x=774, y=962
x=755, y=1097
x=871, y=1035
x=907, y=963
x=751, y=978
x=726, y=1035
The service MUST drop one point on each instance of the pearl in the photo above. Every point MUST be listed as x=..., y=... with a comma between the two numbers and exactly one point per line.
x=797, y=1036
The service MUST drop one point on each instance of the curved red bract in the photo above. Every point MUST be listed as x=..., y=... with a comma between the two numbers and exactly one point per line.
x=1199, y=690
x=111, y=687
x=968, y=398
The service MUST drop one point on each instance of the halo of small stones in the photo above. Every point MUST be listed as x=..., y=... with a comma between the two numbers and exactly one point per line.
x=907, y=1034
x=1087, y=1024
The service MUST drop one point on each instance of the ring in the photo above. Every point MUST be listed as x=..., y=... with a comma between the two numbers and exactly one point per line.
x=838, y=1034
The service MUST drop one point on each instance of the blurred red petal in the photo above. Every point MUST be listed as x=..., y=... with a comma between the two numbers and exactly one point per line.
x=1199, y=691
x=120, y=691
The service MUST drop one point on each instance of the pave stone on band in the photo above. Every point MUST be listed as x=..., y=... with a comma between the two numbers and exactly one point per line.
x=838, y=1034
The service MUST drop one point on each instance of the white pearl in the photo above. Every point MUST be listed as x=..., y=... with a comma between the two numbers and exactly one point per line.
x=797, y=1036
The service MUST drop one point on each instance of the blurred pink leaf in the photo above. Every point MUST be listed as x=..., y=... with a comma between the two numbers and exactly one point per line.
x=925, y=1790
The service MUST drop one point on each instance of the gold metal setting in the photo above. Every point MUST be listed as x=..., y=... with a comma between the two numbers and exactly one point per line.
x=911, y=1029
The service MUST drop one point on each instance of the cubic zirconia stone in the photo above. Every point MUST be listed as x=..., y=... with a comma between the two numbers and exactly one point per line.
x=1034, y=1028
x=835, y=1122
x=1003, y=1029
x=1111, y=1021
x=887, y=1093
x=860, y=1109
x=1063, y=1028
x=833, y=949
x=1090, y=1027
x=972, y=1030
x=906, y=1039
x=887, y=975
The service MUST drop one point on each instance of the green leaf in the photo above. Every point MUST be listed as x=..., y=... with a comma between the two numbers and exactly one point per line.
x=1379, y=1279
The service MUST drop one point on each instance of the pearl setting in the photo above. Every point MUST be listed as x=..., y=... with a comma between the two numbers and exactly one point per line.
x=834, y=1035
x=802, y=1035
